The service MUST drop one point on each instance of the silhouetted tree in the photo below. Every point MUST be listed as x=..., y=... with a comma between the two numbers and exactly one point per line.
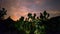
x=41, y=16
x=2, y=25
x=44, y=15
x=6, y=25
x=35, y=26
x=2, y=13
x=42, y=25
x=43, y=20
x=20, y=25
x=29, y=15
x=34, y=15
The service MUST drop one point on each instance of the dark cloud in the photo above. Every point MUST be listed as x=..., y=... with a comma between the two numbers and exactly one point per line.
x=53, y=5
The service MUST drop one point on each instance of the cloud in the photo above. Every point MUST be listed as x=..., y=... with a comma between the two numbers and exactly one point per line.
x=18, y=8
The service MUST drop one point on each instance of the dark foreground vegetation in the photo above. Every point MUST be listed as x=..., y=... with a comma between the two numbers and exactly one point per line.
x=31, y=25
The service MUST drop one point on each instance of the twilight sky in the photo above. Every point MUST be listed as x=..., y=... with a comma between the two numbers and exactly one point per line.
x=17, y=8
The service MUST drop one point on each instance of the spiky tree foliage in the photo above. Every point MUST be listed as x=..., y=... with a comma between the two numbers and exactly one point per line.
x=20, y=23
x=29, y=15
x=2, y=13
x=34, y=15
x=41, y=16
x=35, y=26
x=44, y=15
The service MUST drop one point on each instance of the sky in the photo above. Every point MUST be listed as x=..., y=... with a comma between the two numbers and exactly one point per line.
x=18, y=8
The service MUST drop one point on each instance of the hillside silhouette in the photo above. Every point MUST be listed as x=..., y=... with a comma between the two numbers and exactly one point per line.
x=31, y=25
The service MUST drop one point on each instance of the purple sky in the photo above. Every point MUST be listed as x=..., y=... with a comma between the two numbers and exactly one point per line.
x=17, y=8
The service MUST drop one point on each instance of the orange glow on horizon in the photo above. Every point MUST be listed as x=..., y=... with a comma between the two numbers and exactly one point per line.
x=15, y=18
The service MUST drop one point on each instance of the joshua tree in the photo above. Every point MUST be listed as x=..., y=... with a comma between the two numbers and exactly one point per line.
x=22, y=18
x=44, y=15
x=36, y=26
x=34, y=16
x=20, y=23
x=43, y=20
x=41, y=15
x=2, y=13
x=29, y=15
